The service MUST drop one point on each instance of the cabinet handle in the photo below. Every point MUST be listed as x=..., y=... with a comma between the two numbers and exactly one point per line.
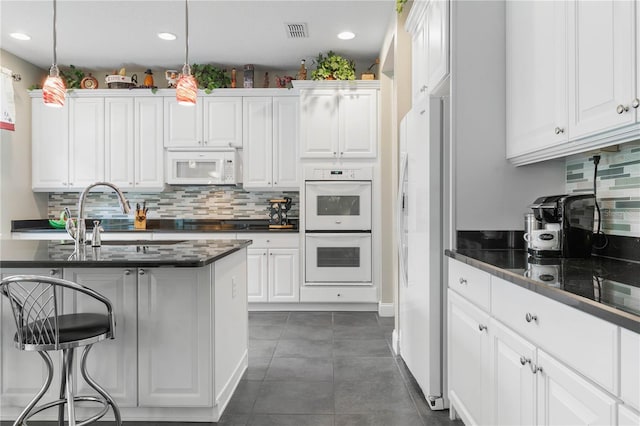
x=268, y=183
x=64, y=183
x=524, y=361
x=535, y=368
x=127, y=272
x=335, y=154
x=341, y=153
x=53, y=272
x=423, y=111
x=264, y=254
x=482, y=327
x=199, y=142
x=530, y=317
x=558, y=130
x=130, y=183
x=275, y=183
x=635, y=103
x=141, y=272
x=622, y=108
x=462, y=281
x=270, y=254
x=205, y=142
x=339, y=295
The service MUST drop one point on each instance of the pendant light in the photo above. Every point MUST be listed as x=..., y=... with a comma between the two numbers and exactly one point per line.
x=54, y=89
x=187, y=87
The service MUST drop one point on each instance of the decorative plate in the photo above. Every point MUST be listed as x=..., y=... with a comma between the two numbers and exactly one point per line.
x=89, y=82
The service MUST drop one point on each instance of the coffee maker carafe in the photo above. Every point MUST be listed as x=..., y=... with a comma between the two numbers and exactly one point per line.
x=565, y=226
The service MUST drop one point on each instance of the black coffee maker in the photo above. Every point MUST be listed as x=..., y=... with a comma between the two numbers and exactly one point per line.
x=569, y=218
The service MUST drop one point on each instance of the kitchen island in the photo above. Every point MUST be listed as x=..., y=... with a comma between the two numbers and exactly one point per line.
x=181, y=325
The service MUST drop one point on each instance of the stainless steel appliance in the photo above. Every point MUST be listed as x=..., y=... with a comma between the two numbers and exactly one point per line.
x=338, y=243
x=203, y=167
x=566, y=226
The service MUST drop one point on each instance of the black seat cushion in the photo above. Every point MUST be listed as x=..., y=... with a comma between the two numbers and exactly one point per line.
x=72, y=327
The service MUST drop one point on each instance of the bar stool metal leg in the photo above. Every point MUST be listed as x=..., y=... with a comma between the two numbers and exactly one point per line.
x=68, y=360
x=63, y=392
x=97, y=387
x=25, y=413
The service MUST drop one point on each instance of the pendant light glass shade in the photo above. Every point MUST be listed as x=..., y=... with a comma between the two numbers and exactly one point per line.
x=54, y=89
x=187, y=87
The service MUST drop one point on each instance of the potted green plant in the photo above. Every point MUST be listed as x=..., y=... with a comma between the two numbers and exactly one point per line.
x=72, y=76
x=333, y=67
x=210, y=77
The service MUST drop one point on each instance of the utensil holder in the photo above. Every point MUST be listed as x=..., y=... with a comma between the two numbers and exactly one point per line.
x=140, y=221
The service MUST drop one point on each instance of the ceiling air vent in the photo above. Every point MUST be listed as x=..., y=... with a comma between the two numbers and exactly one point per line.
x=298, y=30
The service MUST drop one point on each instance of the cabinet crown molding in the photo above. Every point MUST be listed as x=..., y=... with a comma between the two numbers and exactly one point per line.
x=336, y=84
x=87, y=93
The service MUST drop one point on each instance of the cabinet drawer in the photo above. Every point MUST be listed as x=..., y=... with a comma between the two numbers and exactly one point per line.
x=630, y=368
x=271, y=240
x=470, y=282
x=582, y=341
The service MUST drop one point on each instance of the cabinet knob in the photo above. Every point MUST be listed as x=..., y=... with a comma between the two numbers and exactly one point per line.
x=635, y=103
x=127, y=272
x=268, y=183
x=482, y=327
x=270, y=254
x=531, y=317
x=524, y=361
x=338, y=295
x=558, y=130
x=130, y=183
x=335, y=154
x=275, y=183
x=462, y=281
x=264, y=254
x=535, y=369
x=341, y=153
x=141, y=272
x=622, y=108
x=53, y=272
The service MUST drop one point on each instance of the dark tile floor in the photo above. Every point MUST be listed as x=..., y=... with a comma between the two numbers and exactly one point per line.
x=326, y=369
x=323, y=369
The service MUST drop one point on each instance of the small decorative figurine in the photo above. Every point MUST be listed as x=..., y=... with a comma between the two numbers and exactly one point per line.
x=172, y=78
x=148, y=78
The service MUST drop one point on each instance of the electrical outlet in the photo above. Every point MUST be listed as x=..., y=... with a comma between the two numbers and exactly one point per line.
x=234, y=288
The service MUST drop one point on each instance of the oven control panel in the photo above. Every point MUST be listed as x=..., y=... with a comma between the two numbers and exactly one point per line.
x=322, y=173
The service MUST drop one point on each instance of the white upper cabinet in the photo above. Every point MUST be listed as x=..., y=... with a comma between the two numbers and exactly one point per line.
x=338, y=120
x=286, y=159
x=214, y=122
x=119, y=145
x=49, y=146
x=601, y=65
x=148, y=150
x=536, y=40
x=270, y=136
x=133, y=143
x=436, y=29
x=571, y=77
x=86, y=141
x=428, y=24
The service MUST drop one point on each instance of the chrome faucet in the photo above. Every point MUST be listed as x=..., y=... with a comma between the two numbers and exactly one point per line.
x=78, y=232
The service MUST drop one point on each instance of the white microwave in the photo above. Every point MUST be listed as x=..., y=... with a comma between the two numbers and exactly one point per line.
x=203, y=167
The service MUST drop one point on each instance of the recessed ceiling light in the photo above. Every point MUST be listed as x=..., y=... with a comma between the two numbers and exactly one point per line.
x=20, y=36
x=346, y=35
x=167, y=36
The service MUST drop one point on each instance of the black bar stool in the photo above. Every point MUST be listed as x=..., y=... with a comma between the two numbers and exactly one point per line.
x=41, y=327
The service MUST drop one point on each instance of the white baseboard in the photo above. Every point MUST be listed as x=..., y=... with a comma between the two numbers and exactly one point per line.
x=386, y=309
x=256, y=307
x=223, y=398
x=395, y=342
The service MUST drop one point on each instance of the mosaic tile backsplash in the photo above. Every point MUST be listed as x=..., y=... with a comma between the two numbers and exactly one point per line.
x=617, y=183
x=177, y=202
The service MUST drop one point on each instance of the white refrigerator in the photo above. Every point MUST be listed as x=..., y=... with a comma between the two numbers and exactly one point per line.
x=419, y=216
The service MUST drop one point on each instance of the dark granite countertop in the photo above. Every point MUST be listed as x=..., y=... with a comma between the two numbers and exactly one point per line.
x=51, y=254
x=604, y=287
x=161, y=225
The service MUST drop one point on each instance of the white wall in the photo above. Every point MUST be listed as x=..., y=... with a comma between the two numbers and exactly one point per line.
x=17, y=201
x=490, y=193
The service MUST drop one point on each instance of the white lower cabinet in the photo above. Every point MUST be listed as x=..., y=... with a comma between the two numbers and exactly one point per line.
x=469, y=352
x=22, y=373
x=273, y=268
x=565, y=398
x=507, y=368
x=111, y=363
x=513, y=381
x=174, y=337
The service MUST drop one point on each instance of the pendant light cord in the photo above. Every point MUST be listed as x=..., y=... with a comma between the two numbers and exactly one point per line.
x=55, y=58
x=186, y=26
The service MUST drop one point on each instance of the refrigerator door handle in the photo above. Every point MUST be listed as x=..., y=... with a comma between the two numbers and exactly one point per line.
x=399, y=229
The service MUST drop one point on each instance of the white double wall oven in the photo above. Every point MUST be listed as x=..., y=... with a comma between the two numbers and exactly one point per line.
x=338, y=219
